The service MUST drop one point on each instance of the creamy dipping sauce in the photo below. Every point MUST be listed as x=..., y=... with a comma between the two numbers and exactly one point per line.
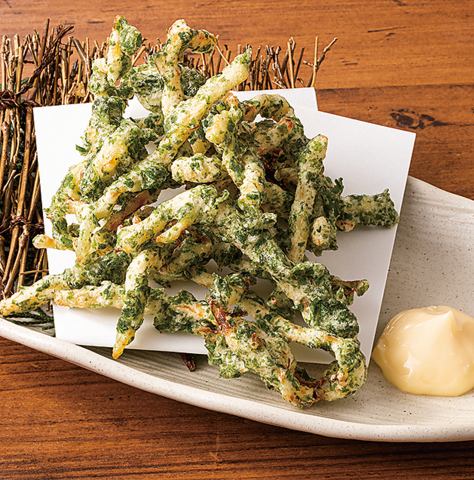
x=428, y=351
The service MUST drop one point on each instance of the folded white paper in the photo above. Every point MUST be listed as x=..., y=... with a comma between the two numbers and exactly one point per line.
x=369, y=158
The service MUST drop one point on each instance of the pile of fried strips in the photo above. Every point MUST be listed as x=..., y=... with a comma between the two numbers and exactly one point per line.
x=251, y=197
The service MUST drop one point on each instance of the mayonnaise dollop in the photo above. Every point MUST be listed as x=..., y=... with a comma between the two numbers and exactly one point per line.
x=428, y=351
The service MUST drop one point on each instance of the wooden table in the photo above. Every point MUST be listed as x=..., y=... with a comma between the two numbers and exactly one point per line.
x=401, y=63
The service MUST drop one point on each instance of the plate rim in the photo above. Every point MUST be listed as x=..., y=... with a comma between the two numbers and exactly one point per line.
x=294, y=420
x=214, y=401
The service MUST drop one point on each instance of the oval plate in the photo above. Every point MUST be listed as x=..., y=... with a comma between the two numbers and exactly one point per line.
x=432, y=263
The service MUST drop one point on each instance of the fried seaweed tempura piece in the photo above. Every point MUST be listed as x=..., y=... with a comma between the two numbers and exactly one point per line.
x=238, y=346
x=307, y=285
x=377, y=210
x=310, y=169
x=135, y=297
x=240, y=158
x=197, y=169
x=180, y=37
x=184, y=209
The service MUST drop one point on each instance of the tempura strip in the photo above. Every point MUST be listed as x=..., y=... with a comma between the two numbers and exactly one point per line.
x=375, y=210
x=311, y=167
x=197, y=169
x=185, y=209
x=135, y=297
x=119, y=151
x=344, y=376
x=308, y=285
x=33, y=297
x=180, y=37
x=237, y=346
x=268, y=106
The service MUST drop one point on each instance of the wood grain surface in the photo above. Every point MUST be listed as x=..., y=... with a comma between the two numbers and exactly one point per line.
x=401, y=63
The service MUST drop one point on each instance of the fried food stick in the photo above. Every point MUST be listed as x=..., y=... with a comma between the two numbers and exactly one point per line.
x=184, y=209
x=310, y=163
x=135, y=297
x=180, y=37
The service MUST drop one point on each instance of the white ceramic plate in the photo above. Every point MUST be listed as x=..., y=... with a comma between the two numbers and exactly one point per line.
x=432, y=263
